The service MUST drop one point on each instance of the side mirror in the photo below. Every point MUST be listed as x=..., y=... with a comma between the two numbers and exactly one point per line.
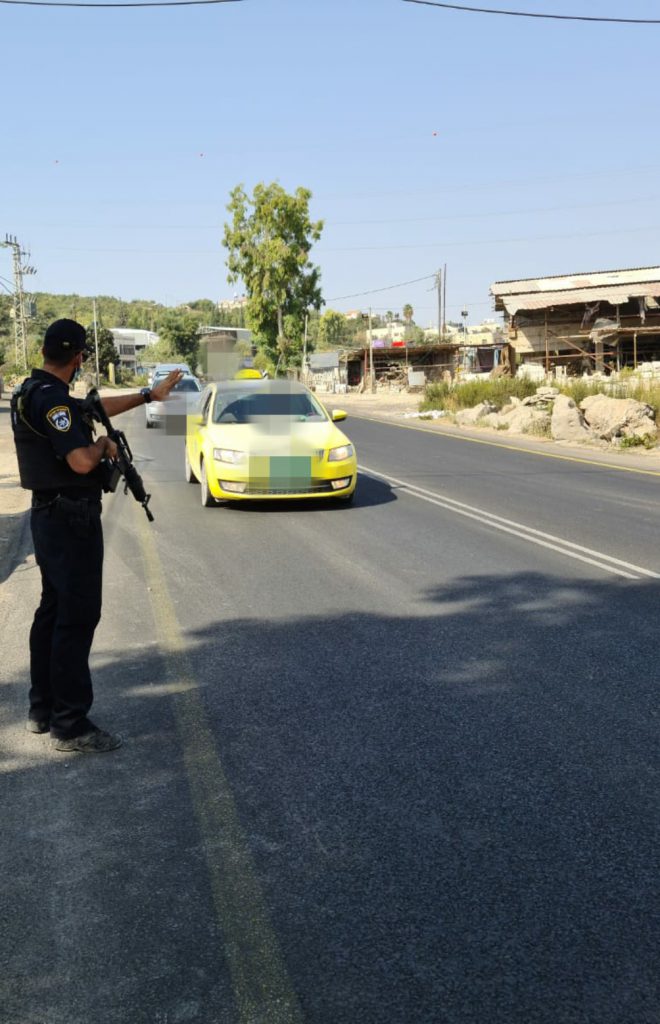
x=338, y=414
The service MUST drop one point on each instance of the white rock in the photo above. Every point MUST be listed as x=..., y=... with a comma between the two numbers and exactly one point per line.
x=568, y=423
x=492, y=419
x=524, y=420
x=469, y=417
x=616, y=417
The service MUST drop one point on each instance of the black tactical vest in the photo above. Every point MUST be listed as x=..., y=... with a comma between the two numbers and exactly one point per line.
x=39, y=467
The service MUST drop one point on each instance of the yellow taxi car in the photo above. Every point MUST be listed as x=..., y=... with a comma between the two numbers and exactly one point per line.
x=267, y=440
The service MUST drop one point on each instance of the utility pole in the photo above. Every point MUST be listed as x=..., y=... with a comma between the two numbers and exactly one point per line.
x=438, y=284
x=444, y=300
x=304, y=358
x=20, y=327
x=96, y=345
x=372, y=379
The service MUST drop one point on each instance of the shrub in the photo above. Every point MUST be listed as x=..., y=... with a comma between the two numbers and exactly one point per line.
x=542, y=428
x=464, y=396
x=635, y=441
x=578, y=390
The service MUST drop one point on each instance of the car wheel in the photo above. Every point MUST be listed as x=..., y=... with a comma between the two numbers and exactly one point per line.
x=188, y=470
x=207, y=498
x=149, y=424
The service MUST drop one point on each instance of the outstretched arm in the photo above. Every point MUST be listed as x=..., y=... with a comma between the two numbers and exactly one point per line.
x=116, y=404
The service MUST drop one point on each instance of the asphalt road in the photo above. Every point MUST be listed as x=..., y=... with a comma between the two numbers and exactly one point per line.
x=392, y=763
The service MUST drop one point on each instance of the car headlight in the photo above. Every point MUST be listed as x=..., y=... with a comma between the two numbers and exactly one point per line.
x=345, y=451
x=228, y=455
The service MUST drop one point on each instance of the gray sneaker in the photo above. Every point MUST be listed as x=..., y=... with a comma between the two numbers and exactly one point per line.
x=96, y=741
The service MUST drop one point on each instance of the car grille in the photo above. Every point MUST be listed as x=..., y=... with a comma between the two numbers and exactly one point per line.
x=320, y=488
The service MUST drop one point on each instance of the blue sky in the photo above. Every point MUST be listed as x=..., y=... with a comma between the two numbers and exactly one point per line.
x=503, y=147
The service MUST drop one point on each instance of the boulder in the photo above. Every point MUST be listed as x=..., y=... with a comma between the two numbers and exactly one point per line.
x=469, y=417
x=618, y=417
x=492, y=419
x=568, y=423
x=526, y=420
x=543, y=396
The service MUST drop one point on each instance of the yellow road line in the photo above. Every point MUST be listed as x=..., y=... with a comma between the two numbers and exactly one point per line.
x=510, y=447
x=262, y=989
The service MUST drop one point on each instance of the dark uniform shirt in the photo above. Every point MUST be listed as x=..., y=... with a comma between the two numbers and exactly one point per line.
x=52, y=426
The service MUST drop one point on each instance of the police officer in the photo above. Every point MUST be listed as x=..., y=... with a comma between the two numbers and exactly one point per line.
x=63, y=466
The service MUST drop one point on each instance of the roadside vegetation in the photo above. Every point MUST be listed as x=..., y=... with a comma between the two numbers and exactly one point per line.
x=451, y=398
x=626, y=385
x=472, y=392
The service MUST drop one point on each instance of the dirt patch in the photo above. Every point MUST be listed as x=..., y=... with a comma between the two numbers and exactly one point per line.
x=384, y=403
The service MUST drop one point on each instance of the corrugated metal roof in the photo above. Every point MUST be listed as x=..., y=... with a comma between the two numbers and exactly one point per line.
x=614, y=294
x=563, y=282
x=323, y=361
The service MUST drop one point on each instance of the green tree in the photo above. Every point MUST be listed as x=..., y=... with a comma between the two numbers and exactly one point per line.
x=107, y=349
x=159, y=352
x=414, y=335
x=408, y=313
x=206, y=310
x=179, y=330
x=332, y=329
x=268, y=242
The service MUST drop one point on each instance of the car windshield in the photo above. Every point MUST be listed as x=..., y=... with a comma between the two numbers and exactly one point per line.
x=242, y=406
x=187, y=384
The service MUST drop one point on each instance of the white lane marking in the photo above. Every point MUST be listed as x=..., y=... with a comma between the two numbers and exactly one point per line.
x=529, y=533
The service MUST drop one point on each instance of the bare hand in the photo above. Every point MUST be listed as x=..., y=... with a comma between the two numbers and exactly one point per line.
x=110, y=450
x=162, y=389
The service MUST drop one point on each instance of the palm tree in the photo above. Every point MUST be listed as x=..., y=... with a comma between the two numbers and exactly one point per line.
x=408, y=313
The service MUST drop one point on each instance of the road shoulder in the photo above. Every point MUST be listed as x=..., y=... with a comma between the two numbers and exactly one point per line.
x=391, y=409
x=14, y=501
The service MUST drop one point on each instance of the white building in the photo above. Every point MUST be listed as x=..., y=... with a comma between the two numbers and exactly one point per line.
x=130, y=342
x=238, y=302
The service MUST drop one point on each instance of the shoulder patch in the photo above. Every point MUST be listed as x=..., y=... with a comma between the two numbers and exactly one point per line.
x=59, y=417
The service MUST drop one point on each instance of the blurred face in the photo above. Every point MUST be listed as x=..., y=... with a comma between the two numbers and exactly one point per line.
x=76, y=366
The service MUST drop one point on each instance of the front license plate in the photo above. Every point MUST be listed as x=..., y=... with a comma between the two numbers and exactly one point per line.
x=291, y=472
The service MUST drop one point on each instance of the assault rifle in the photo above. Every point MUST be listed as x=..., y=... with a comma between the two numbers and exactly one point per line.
x=122, y=466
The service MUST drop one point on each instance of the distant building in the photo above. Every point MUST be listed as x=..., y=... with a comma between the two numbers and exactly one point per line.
x=238, y=302
x=230, y=335
x=324, y=372
x=130, y=343
x=392, y=333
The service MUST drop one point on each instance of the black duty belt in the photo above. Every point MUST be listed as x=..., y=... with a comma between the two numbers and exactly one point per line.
x=82, y=503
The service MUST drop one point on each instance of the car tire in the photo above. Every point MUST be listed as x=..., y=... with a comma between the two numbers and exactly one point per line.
x=149, y=425
x=207, y=498
x=188, y=470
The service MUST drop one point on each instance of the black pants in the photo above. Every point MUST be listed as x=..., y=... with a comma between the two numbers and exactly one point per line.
x=68, y=545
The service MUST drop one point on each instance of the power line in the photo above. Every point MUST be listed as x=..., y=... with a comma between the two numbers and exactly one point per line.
x=489, y=213
x=520, y=211
x=155, y=3
x=529, y=14
x=384, y=248
x=494, y=241
x=387, y=288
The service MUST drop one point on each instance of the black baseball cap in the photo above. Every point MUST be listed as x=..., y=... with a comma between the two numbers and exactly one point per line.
x=65, y=337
